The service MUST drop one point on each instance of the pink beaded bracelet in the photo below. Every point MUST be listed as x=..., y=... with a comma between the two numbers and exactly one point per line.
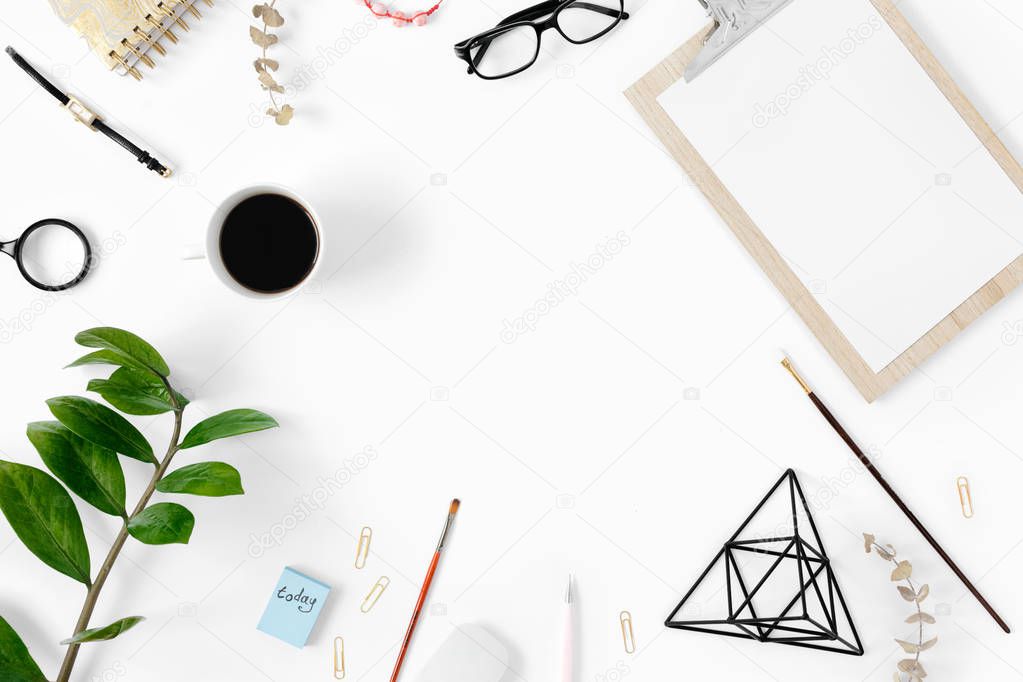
x=381, y=11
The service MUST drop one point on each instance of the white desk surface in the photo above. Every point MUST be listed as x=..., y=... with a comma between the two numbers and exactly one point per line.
x=623, y=439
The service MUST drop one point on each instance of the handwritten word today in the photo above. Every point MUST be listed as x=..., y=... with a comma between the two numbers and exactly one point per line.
x=303, y=601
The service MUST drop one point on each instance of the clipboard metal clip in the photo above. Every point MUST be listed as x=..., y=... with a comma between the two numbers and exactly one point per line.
x=733, y=21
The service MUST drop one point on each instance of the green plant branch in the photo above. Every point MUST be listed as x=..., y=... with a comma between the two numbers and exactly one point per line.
x=82, y=450
x=92, y=596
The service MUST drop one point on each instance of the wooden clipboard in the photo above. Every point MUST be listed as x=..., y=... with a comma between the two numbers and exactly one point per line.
x=643, y=96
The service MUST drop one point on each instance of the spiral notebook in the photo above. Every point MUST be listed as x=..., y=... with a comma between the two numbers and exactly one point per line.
x=127, y=34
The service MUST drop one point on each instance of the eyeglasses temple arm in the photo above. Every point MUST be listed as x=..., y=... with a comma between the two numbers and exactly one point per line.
x=602, y=10
x=532, y=12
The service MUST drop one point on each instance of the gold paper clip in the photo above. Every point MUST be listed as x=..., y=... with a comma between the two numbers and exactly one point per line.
x=628, y=636
x=339, y=658
x=965, y=499
x=362, y=553
x=374, y=594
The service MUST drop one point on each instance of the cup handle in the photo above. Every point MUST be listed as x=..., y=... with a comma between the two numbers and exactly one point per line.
x=193, y=252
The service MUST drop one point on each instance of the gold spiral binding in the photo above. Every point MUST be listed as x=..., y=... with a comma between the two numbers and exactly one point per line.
x=158, y=25
x=130, y=70
x=141, y=56
x=148, y=39
x=167, y=9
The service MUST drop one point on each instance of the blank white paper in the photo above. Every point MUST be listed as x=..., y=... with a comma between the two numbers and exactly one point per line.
x=856, y=168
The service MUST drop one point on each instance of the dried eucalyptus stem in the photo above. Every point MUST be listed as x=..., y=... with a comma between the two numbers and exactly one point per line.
x=271, y=18
x=903, y=572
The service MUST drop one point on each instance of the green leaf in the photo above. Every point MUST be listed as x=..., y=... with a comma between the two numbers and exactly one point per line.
x=162, y=524
x=44, y=517
x=16, y=663
x=107, y=357
x=105, y=633
x=125, y=345
x=92, y=472
x=135, y=392
x=212, y=479
x=100, y=425
x=227, y=424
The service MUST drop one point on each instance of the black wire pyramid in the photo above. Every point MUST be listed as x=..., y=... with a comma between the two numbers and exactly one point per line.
x=778, y=585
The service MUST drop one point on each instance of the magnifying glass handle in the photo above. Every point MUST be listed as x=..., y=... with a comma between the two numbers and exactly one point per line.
x=8, y=247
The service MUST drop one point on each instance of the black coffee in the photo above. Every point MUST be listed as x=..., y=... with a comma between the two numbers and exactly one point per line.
x=269, y=243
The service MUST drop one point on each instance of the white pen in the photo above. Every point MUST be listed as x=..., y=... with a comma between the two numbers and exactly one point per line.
x=567, y=639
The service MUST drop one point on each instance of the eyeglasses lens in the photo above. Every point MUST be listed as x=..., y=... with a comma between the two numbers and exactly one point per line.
x=506, y=52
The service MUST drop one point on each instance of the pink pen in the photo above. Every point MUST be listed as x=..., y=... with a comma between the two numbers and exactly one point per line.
x=568, y=639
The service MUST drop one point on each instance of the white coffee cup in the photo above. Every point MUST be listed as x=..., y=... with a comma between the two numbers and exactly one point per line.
x=212, y=255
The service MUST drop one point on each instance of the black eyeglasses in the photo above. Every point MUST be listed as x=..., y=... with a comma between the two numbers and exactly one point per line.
x=513, y=45
x=52, y=254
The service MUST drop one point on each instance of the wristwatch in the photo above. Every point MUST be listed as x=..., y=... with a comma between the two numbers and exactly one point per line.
x=89, y=118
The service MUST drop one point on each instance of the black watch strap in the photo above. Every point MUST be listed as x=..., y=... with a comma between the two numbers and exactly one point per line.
x=90, y=119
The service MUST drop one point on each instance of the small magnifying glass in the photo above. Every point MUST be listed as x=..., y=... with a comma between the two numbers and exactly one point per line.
x=52, y=254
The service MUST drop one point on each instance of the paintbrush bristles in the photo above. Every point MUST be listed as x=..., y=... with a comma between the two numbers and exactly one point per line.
x=452, y=510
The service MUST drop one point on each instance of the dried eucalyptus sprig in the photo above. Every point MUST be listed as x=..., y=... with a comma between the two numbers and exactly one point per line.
x=81, y=449
x=903, y=572
x=262, y=37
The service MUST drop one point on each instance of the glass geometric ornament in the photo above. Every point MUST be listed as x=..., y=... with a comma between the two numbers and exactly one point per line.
x=772, y=581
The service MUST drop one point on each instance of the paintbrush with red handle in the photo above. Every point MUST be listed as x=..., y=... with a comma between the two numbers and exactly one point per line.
x=425, y=590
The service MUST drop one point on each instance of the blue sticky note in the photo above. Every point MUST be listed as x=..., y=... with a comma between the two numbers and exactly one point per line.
x=294, y=607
